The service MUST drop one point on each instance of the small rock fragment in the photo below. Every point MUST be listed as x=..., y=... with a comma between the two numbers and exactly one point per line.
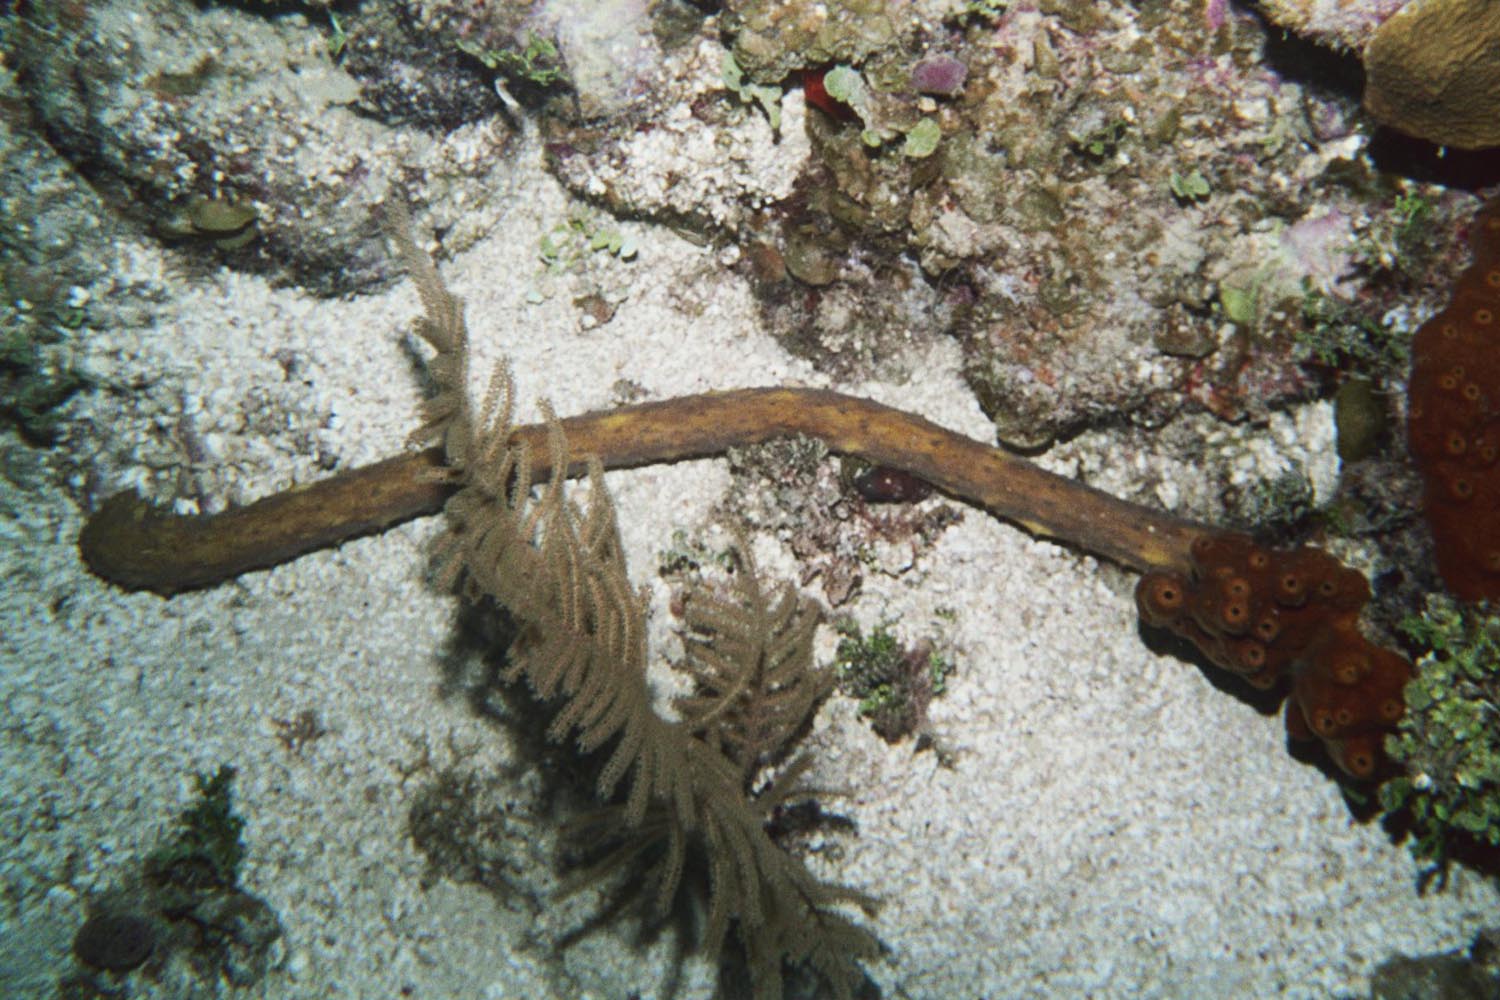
x=117, y=942
x=943, y=76
x=1359, y=414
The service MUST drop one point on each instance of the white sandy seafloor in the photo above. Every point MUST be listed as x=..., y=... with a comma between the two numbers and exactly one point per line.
x=1111, y=825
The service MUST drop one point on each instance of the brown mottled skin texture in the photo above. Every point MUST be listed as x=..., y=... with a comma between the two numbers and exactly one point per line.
x=1453, y=418
x=138, y=546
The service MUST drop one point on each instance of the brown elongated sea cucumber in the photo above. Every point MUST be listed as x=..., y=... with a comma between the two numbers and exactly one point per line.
x=141, y=547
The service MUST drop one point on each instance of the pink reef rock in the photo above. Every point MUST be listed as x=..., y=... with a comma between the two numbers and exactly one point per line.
x=1214, y=12
x=1320, y=248
x=943, y=76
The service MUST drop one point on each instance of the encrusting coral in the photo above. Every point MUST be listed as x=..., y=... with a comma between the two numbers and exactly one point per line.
x=1453, y=418
x=1268, y=615
x=1259, y=613
x=1263, y=614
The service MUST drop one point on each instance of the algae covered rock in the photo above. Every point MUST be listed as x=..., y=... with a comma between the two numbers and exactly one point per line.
x=1432, y=67
x=1036, y=223
x=774, y=38
x=1335, y=23
x=173, y=107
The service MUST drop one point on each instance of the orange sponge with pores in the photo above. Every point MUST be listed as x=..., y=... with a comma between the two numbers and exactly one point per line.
x=1267, y=614
x=1453, y=420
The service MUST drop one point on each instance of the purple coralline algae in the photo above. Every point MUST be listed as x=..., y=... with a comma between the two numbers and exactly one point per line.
x=943, y=76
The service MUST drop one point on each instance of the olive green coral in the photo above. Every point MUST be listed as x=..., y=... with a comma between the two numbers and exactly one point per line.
x=1433, y=70
x=1449, y=739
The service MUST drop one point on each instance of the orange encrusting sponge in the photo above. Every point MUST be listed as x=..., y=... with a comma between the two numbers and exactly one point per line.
x=1453, y=420
x=1267, y=614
